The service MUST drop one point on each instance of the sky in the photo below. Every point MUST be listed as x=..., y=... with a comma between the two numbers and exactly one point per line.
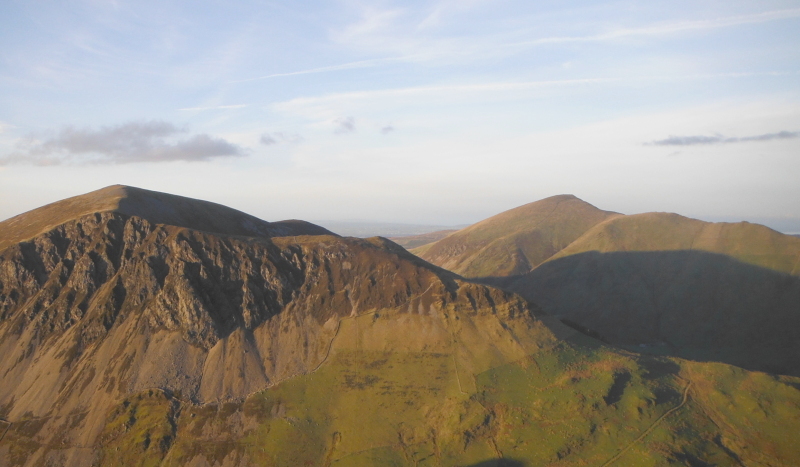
x=427, y=112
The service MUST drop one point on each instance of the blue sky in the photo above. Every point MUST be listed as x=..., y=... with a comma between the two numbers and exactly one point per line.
x=441, y=112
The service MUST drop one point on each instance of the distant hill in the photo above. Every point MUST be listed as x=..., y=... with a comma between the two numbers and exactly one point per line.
x=515, y=241
x=414, y=241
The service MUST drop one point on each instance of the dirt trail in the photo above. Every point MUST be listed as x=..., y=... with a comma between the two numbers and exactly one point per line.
x=651, y=427
x=8, y=427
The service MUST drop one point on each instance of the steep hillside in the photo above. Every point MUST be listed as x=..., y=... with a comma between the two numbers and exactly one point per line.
x=515, y=241
x=124, y=341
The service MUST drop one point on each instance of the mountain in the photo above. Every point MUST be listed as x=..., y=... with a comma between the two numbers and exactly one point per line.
x=656, y=282
x=515, y=241
x=173, y=338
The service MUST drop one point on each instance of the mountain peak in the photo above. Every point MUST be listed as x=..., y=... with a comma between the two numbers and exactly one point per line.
x=530, y=234
x=156, y=207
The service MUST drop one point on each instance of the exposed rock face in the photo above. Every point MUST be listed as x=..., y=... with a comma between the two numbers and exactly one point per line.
x=109, y=304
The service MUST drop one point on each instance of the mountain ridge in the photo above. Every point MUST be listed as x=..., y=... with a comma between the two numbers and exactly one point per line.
x=155, y=207
x=659, y=231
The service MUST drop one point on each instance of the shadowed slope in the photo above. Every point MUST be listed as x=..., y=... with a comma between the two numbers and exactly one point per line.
x=153, y=206
x=515, y=241
x=691, y=304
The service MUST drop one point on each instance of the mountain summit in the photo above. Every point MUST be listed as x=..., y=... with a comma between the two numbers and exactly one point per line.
x=515, y=241
x=154, y=207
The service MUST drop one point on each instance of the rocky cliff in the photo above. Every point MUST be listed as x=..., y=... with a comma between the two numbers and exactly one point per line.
x=110, y=304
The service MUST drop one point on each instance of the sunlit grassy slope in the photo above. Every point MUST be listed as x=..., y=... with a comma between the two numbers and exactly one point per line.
x=657, y=231
x=573, y=402
x=514, y=241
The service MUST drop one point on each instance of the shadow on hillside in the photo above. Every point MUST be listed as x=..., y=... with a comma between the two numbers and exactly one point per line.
x=690, y=304
x=499, y=463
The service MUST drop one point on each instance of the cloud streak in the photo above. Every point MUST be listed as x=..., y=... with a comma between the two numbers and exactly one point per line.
x=719, y=139
x=215, y=107
x=439, y=90
x=371, y=30
x=344, y=66
x=133, y=142
x=671, y=28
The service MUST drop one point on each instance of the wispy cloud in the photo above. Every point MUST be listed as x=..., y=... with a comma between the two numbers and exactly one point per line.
x=268, y=139
x=345, y=125
x=719, y=139
x=383, y=32
x=214, y=107
x=325, y=69
x=132, y=142
x=439, y=90
x=387, y=129
x=670, y=28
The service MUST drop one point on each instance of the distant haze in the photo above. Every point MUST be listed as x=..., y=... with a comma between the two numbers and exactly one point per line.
x=366, y=229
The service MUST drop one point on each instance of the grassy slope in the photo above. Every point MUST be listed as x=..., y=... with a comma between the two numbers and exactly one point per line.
x=515, y=241
x=750, y=243
x=571, y=403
